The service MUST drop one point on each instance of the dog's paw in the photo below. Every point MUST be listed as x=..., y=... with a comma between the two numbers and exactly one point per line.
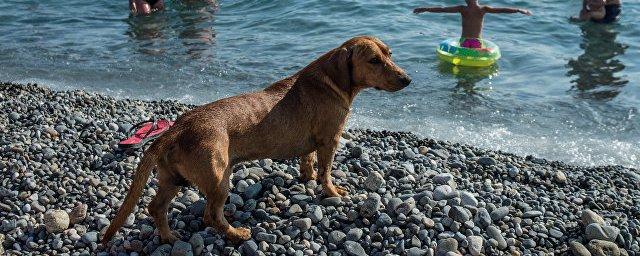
x=335, y=191
x=238, y=235
x=342, y=191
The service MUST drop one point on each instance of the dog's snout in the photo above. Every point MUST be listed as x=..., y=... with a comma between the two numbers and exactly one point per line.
x=405, y=80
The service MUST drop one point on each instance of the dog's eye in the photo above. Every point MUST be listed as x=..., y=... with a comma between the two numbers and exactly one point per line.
x=375, y=60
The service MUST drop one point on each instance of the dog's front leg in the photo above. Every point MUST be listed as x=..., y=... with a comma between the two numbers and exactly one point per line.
x=325, y=160
x=307, y=172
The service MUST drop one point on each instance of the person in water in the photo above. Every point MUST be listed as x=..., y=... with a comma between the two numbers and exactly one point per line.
x=145, y=7
x=472, y=19
x=600, y=11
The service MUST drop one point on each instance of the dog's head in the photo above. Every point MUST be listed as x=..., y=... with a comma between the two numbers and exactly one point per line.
x=365, y=61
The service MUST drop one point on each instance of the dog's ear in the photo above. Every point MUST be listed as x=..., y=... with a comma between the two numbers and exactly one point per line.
x=339, y=67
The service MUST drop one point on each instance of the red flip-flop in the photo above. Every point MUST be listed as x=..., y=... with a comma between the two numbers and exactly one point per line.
x=144, y=132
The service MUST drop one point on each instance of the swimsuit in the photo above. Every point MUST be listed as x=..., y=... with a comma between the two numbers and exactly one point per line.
x=471, y=42
x=612, y=11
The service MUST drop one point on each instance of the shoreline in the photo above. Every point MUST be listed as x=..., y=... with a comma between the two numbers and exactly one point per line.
x=407, y=195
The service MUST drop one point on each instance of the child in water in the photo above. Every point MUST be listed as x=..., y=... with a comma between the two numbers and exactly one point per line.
x=600, y=11
x=472, y=19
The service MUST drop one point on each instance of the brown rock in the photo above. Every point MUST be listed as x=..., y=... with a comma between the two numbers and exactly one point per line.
x=589, y=216
x=578, y=249
x=78, y=214
x=603, y=248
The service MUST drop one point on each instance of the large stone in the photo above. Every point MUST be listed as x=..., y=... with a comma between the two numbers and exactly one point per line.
x=56, y=221
x=249, y=247
x=181, y=248
x=499, y=213
x=444, y=192
x=303, y=224
x=578, y=249
x=162, y=250
x=596, y=231
x=78, y=214
x=354, y=248
x=384, y=220
x=374, y=181
x=415, y=251
x=189, y=197
x=603, y=248
x=482, y=218
x=560, y=177
x=406, y=207
x=356, y=152
x=337, y=237
x=475, y=245
x=459, y=214
x=370, y=206
x=468, y=199
x=494, y=232
x=253, y=191
x=90, y=237
x=315, y=213
x=589, y=216
x=331, y=201
x=354, y=234
x=392, y=204
x=197, y=243
x=531, y=214
x=487, y=161
x=269, y=238
x=446, y=245
x=236, y=199
x=444, y=179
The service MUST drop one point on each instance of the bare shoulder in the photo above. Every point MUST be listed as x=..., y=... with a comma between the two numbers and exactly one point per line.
x=486, y=8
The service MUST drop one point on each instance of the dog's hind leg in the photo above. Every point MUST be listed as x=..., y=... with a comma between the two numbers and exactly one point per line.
x=325, y=161
x=216, y=197
x=167, y=190
x=210, y=173
x=307, y=172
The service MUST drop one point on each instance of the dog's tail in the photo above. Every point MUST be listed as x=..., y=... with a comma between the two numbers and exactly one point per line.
x=147, y=164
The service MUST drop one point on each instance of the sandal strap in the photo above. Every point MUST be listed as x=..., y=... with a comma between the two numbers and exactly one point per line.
x=138, y=125
x=154, y=125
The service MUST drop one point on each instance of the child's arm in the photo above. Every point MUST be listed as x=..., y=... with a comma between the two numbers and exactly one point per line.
x=450, y=9
x=490, y=9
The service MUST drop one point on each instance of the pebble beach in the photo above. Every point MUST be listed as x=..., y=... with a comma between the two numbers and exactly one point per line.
x=63, y=178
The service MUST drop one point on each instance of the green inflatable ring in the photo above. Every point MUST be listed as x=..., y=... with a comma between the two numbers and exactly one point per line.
x=450, y=51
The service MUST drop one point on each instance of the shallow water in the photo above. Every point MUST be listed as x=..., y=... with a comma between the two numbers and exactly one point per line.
x=563, y=91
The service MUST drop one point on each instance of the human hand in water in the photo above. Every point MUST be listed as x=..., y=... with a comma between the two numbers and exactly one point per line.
x=525, y=12
x=419, y=10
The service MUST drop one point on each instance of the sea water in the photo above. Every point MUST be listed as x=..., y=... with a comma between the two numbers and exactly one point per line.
x=562, y=90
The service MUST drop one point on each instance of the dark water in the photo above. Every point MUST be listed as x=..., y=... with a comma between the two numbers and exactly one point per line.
x=564, y=91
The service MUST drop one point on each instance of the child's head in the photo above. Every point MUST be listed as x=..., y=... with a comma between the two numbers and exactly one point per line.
x=471, y=2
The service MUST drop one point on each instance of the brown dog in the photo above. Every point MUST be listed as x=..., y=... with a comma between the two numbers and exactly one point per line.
x=302, y=115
